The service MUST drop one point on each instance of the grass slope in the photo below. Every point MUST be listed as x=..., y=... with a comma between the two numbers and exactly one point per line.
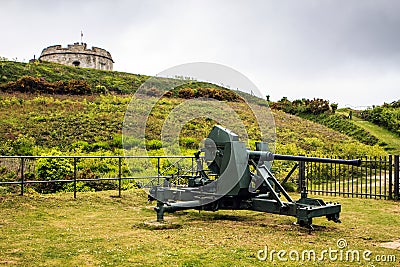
x=387, y=137
x=64, y=122
x=343, y=125
x=100, y=230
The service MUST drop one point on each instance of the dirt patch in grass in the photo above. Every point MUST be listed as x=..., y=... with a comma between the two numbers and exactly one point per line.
x=155, y=225
x=392, y=245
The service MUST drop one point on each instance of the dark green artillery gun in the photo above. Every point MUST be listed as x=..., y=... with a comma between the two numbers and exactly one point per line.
x=238, y=178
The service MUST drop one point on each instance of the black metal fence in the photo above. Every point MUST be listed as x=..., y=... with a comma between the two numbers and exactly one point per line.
x=71, y=173
x=375, y=178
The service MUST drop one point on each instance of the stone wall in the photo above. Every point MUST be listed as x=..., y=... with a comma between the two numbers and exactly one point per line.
x=78, y=55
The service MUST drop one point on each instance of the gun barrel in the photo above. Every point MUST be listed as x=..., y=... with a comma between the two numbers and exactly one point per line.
x=268, y=156
x=354, y=162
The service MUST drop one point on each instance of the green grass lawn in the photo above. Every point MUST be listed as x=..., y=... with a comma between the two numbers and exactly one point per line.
x=98, y=229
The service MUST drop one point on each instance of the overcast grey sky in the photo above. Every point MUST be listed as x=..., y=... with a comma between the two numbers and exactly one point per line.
x=344, y=51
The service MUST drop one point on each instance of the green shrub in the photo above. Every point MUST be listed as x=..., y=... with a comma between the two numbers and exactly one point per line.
x=188, y=142
x=19, y=146
x=303, y=106
x=100, y=146
x=130, y=142
x=81, y=145
x=154, y=144
x=116, y=142
x=50, y=169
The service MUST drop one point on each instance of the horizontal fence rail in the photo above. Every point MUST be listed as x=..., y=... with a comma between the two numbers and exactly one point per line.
x=377, y=177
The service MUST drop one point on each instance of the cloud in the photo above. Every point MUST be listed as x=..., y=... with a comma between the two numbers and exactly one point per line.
x=336, y=49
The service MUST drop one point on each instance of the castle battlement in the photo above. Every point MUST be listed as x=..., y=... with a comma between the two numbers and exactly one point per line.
x=78, y=54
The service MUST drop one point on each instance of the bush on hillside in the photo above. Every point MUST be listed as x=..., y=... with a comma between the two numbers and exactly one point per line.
x=28, y=84
x=304, y=106
x=218, y=94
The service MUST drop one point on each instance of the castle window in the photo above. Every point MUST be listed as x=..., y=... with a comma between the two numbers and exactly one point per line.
x=76, y=63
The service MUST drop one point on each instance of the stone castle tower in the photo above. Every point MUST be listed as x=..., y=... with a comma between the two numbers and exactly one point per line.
x=78, y=55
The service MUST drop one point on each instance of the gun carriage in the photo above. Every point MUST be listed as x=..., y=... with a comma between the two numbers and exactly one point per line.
x=240, y=179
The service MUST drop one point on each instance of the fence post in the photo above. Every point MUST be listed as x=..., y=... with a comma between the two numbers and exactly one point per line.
x=192, y=166
x=396, y=177
x=302, y=176
x=74, y=177
x=158, y=170
x=119, y=176
x=390, y=177
x=22, y=175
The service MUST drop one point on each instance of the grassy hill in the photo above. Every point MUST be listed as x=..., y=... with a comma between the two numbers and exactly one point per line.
x=32, y=124
x=389, y=140
x=38, y=124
